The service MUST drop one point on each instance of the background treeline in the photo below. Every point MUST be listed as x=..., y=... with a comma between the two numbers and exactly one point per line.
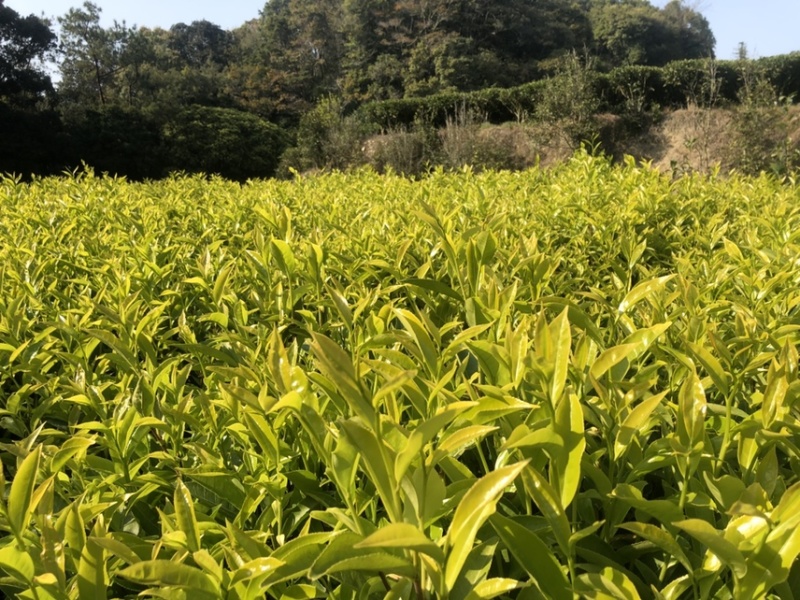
x=144, y=102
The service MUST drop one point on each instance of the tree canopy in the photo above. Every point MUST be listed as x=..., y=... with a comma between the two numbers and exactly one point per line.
x=299, y=51
x=279, y=65
x=25, y=43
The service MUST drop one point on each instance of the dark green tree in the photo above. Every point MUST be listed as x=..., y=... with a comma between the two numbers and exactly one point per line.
x=304, y=48
x=25, y=43
x=694, y=36
x=200, y=44
x=92, y=57
x=630, y=32
x=231, y=143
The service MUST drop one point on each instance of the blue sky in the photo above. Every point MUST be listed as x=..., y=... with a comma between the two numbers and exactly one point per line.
x=767, y=26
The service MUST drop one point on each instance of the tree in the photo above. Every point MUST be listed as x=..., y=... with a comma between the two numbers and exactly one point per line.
x=92, y=56
x=231, y=143
x=456, y=45
x=25, y=43
x=200, y=44
x=304, y=46
x=694, y=35
x=636, y=32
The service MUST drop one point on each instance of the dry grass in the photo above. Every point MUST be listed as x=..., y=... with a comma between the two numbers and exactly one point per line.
x=686, y=140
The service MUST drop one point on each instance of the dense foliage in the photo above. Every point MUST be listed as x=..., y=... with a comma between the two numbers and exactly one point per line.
x=24, y=44
x=122, y=82
x=532, y=385
x=677, y=84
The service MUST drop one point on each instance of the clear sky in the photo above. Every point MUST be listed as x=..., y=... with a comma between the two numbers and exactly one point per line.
x=767, y=26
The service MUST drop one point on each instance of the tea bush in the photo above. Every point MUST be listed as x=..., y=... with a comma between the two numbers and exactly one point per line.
x=579, y=382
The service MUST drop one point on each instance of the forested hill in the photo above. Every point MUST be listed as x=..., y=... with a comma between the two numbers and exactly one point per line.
x=280, y=64
x=298, y=51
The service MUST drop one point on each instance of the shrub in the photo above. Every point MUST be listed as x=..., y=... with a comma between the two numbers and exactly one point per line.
x=759, y=128
x=327, y=139
x=117, y=141
x=570, y=101
x=227, y=142
x=32, y=142
x=402, y=151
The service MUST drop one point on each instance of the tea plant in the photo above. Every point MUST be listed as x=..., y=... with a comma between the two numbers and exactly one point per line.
x=552, y=384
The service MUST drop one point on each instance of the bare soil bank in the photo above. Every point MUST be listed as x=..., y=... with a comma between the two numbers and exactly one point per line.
x=686, y=140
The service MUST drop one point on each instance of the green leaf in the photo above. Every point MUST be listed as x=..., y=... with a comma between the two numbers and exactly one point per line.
x=337, y=366
x=168, y=573
x=692, y=411
x=716, y=543
x=642, y=291
x=300, y=591
x=284, y=256
x=610, y=358
x=549, y=503
x=424, y=433
x=772, y=563
x=534, y=556
x=458, y=341
x=340, y=302
x=205, y=561
x=402, y=536
x=298, y=555
x=109, y=339
x=258, y=568
x=567, y=464
x=416, y=329
x=577, y=317
x=634, y=424
x=69, y=449
x=20, y=506
x=92, y=577
x=491, y=588
x=608, y=583
x=475, y=570
x=117, y=548
x=375, y=457
x=342, y=555
x=460, y=439
x=475, y=507
x=17, y=563
x=661, y=538
x=221, y=283
x=712, y=367
x=777, y=386
x=433, y=285
x=666, y=511
x=644, y=338
x=184, y=514
x=494, y=361
x=216, y=489
x=562, y=342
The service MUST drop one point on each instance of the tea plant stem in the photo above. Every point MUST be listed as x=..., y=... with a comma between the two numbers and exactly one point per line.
x=726, y=436
x=418, y=590
x=484, y=463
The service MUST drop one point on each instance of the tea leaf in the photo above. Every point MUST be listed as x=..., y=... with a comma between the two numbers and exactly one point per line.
x=534, y=556
x=184, y=513
x=20, y=495
x=718, y=545
x=475, y=507
x=168, y=573
x=402, y=536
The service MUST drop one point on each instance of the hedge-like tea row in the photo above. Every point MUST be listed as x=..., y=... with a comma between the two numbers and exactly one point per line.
x=550, y=384
x=670, y=86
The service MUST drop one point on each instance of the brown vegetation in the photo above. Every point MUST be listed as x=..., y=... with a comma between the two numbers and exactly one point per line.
x=686, y=140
